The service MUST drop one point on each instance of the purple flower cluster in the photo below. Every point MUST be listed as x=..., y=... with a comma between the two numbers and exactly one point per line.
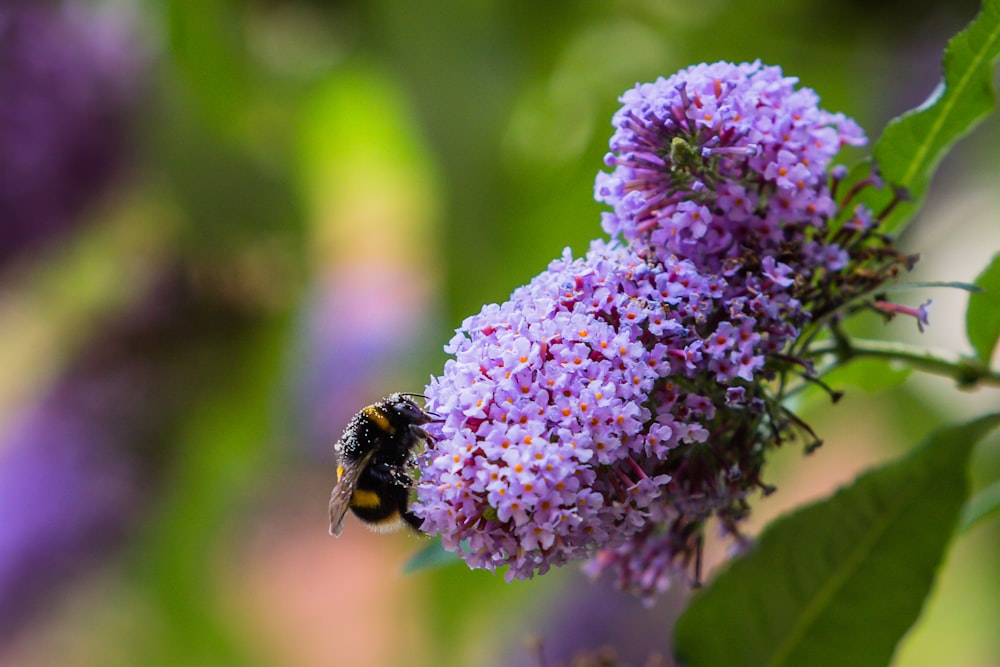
x=67, y=87
x=544, y=417
x=620, y=400
x=562, y=406
x=717, y=157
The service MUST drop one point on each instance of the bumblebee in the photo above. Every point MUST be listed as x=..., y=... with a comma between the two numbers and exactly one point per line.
x=375, y=452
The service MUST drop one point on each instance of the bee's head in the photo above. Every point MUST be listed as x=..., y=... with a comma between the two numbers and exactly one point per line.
x=405, y=408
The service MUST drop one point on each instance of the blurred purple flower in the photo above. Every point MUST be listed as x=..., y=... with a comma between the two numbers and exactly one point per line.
x=597, y=626
x=360, y=320
x=67, y=492
x=68, y=81
x=79, y=468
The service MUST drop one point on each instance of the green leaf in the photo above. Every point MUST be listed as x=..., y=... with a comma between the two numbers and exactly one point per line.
x=913, y=144
x=227, y=197
x=431, y=556
x=982, y=319
x=981, y=506
x=922, y=284
x=869, y=374
x=838, y=582
x=205, y=43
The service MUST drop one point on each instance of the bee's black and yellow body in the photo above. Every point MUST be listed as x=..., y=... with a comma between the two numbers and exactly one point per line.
x=375, y=452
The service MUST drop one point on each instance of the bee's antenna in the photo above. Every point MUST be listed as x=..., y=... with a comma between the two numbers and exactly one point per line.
x=437, y=417
x=410, y=393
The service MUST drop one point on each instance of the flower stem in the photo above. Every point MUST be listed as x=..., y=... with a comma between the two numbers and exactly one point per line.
x=967, y=372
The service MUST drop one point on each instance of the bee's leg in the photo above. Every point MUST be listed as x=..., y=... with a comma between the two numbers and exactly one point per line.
x=395, y=476
x=409, y=517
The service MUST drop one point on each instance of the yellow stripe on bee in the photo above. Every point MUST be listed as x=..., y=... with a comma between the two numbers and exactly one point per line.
x=379, y=418
x=340, y=472
x=362, y=498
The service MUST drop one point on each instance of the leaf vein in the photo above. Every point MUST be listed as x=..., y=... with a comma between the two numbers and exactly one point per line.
x=834, y=583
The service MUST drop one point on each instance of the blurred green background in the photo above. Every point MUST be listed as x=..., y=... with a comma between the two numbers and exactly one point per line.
x=314, y=195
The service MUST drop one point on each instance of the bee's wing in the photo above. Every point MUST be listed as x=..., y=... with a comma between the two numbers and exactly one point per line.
x=340, y=500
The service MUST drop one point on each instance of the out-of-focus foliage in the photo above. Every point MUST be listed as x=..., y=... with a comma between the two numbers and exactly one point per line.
x=912, y=146
x=332, y=187
x=982, y=320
